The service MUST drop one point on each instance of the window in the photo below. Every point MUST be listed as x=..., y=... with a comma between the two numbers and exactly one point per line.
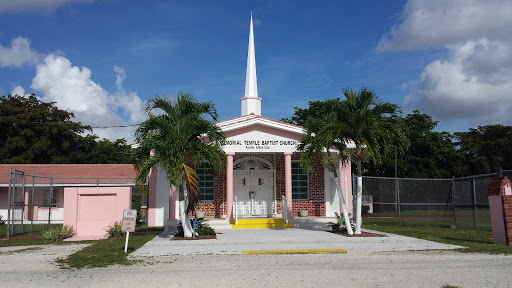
x=49, y=197
x=299, y=182
x=206, y=182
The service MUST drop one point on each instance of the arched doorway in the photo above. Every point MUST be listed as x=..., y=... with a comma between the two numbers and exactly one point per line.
x=254, y=185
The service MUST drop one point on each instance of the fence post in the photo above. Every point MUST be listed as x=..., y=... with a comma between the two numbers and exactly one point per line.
x=31, y=206
x=474, y=203
x=454, y=225
x=9, y=204
x=398, y=200
x=23, y=206
x=50, y=204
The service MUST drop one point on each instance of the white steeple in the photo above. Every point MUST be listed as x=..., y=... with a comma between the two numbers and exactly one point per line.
x=251, y=103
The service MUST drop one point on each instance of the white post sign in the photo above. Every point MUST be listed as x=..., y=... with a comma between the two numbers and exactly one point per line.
x=128, y=224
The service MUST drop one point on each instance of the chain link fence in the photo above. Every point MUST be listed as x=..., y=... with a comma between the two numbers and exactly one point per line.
x=457, y=202
x=35, y=202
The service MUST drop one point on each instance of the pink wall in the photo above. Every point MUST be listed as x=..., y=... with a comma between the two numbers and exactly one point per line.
x=90, y=210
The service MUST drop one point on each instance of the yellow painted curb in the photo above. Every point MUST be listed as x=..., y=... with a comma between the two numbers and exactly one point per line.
x=294, y=251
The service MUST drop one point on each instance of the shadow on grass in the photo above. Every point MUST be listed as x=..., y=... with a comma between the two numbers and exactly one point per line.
x=466, y=240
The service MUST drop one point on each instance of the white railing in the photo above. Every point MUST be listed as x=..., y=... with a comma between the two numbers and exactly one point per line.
x=235, y=210
x=285, y=209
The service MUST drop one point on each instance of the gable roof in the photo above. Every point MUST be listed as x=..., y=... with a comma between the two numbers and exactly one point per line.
x=252, y=119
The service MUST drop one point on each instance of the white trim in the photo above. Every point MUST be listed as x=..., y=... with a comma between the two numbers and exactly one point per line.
x=264, y=122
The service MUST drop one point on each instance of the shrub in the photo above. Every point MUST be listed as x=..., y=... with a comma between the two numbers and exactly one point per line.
x=202, y=228
x=114, y=230
x=339, y=225
x=58, y=233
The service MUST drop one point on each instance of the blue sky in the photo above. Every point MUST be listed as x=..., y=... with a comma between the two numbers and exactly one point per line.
x=103, y=59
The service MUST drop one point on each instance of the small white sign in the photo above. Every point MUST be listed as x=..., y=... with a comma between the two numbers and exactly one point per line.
x=129, y=219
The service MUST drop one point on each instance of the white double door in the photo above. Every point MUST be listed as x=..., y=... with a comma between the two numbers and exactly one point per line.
x=255, y=192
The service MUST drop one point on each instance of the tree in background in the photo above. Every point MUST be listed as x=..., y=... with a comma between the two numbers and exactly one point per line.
x=430, y=154
x=112, y=152
x=37, y=132
x=182, y=133
x=486, y=149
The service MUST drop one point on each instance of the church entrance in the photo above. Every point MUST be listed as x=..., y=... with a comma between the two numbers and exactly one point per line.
x=254, y=185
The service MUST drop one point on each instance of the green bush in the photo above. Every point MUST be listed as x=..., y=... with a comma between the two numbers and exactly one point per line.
x=58, y=233
x=202, y=228
x=339, y=225
x=114, y=230
x=137, y=202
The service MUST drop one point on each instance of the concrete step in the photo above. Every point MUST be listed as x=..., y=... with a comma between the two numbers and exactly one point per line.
x=313, y=223
x=259, y=221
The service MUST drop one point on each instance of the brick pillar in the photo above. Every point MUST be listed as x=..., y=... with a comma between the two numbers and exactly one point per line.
x=500, y=206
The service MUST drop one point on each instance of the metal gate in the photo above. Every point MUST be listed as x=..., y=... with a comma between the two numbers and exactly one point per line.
x=32, y=202
x=254, y=183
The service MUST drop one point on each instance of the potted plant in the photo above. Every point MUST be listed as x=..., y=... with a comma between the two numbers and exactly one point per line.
x=303, y=213
x=200, y=214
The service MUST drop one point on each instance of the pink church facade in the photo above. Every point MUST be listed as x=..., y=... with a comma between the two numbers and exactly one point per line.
x=262, y=170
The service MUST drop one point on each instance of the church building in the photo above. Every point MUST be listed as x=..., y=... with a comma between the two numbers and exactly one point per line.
x=262, y=167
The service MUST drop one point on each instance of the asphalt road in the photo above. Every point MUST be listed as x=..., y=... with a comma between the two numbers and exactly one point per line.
x=35, y=268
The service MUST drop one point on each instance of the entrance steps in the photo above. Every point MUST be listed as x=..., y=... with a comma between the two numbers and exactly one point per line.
x=260, y=223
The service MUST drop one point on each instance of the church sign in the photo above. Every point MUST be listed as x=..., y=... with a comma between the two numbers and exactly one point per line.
x=257, y=141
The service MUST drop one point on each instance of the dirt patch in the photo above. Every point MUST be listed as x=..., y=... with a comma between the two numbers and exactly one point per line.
x=363, y=234
x=198, y=237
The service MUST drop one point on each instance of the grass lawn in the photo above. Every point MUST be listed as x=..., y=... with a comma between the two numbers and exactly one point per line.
x=102, y=253
x=476, y=241
x=36, y=229
x=465, y=218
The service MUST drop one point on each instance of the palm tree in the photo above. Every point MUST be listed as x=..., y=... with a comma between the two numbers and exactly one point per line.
x=317, y=146
x=367, y=124
x=181, y=133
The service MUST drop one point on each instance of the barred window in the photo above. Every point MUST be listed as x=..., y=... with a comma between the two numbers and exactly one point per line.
x=299, y=182
x=49, y=197
x=206, y=182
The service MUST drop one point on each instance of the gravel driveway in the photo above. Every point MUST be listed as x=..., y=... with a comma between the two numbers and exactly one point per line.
x=35, y=268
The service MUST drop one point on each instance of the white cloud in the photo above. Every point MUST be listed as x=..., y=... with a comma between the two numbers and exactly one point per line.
x=435, y=23
x=73, y=90
x=120, y=76
x=18, y=54
x=35, y=5
x=18, y=90
x=474, y=83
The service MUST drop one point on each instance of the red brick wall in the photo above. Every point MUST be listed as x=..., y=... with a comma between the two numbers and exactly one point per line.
x=217, y=207
x=315, y=204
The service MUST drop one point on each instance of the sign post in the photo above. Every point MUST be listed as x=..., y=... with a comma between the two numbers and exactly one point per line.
x=128, y=224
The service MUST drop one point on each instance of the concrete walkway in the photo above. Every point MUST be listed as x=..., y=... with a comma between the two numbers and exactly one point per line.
x=233, y=241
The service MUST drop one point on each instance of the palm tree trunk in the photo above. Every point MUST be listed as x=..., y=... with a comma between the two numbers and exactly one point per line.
x=343, y=203
x=359, y=198
x=185, y=218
